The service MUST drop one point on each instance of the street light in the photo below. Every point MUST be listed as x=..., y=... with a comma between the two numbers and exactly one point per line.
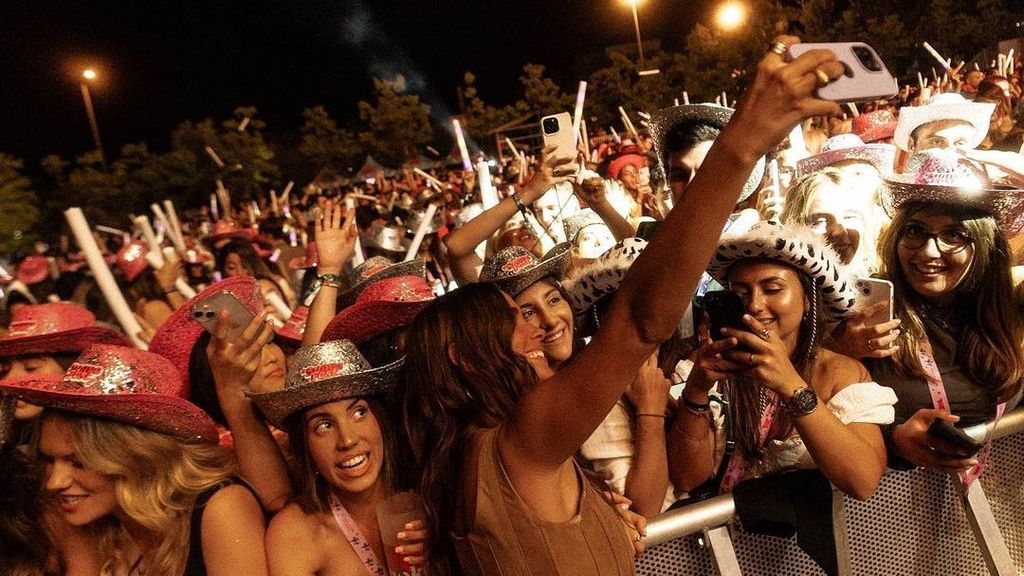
x=88, y=75
x=636, y=26
x=730, y=15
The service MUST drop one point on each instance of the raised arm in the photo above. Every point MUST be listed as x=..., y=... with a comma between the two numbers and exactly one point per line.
x=335, y=244
x=556, y=417
x=592, y=191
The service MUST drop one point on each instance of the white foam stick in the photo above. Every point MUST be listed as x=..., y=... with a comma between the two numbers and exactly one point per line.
x=213, y=207
x=108, y=230
x=725, y=98
x=428, y=217
x=512, y=148
x=675, y=101
x=101, y=272
x=1000, y=63
x=287, y=190
x=213, y=156
x=629, y=124
x=155, y=256
x=686, y=98
x=577, y=114
x=853, y=108
x=280, y=308
x=643, y=114
x=920, y=80
x=976, y=67
x=460, y=139
x=433, y=151
x=935, y=54
x=225, y=199
x=615, y=134
x=796, y=140
x=773, y=175
x=357, y=254
x=172, y=215
x=488, y=195
x=252, y=215
x=427, y=177
x=935, y=75
x=586, y=138
x=243, y=124
x=273, y=203
x=179, y=243
x=391, y=202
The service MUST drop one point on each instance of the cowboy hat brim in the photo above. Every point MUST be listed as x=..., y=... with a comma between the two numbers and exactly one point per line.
x=1006, y=205
x=977, y=114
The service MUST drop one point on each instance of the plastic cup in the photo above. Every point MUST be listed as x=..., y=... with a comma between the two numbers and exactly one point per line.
x=392, y=516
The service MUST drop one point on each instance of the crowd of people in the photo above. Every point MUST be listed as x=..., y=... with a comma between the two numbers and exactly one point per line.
x=547, y=356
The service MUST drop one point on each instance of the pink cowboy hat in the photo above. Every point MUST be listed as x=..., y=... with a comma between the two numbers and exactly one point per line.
x=384, y=306
x=55, y=327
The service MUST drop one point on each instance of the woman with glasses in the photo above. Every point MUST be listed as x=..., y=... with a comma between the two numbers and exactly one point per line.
x=957, y=353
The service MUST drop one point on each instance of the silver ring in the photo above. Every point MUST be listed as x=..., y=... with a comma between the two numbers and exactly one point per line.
x=778, y=48
x=751, y=359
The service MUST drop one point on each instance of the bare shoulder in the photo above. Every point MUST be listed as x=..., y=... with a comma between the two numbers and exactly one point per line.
x=833, y=371
x=293, y=542
x=233, y=500
x=293, y=524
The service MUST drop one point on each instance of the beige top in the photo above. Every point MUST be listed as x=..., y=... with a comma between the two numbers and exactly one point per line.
x=507, y=538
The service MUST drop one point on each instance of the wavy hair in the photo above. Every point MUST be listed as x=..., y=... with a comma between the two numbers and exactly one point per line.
x=460, y=374
x=157, y=479
x=989, y=348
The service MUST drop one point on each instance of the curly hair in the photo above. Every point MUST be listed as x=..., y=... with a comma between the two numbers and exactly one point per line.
x=157, y=479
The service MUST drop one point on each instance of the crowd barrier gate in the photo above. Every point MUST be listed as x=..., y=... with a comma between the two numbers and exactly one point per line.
x=919, y=522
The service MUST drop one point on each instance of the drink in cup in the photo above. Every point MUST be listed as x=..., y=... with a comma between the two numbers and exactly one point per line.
x=392, y=516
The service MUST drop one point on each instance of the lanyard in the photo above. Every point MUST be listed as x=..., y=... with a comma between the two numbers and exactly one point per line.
x=740, y=465
x=940, y=401
x=355, y=538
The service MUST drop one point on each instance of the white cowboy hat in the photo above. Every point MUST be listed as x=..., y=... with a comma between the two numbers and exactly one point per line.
x=948, y=106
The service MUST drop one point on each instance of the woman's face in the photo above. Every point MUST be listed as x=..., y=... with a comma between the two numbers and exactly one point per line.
x=862, y=178
x=346, y=445
x=521, y=237
x=270, y=375
x=542, y=305
x=233, y=266
x=18, y=366
x=528, y=342
x=935, y=253
x=630, y=177
x=838, y=216
x=82, y=495
x=773, y=295
x=594, y=240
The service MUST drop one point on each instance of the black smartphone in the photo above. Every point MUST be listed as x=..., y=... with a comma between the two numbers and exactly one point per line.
x=725, y=309
x=950, y=434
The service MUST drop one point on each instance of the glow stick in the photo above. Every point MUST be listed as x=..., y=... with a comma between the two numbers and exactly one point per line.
x=243, y=124
x=976, y=67
x=586, y=138
x=213, y=207
x=101, y=272
x=512, y=148
x=725, y=99
x=773, y=176
x=577, y=114
x=936, y=55
x=643, y=114
x=280, y=308
x=256, y=209
x=179, y=243
x=433, y=151
x=618, y=139
x=461, y=141
x=686, y=98
x=293, y=240
x=627, y=122
x=935, y=75
x=357, y=253
x=287, y=190
x=427, y=177
x=99, y=228
x=796, y=140
x=252, y=215
x=488, y=195
x=143, y=226
x=920, y=80
x=273, y=202
x=172, y=215
x=421, y=232
x=391, y=202
x=675, y=101
x=358, y=196
x=213, y=155
x=1000, y=63
x=225, y=198
x=853, y=108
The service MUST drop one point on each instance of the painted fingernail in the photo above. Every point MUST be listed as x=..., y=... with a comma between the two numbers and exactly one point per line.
x=399, y=550
x=401, y=535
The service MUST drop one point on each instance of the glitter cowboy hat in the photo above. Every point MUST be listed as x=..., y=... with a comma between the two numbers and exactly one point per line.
x=384, y=306
x=665, y=120
x=322, y=373
x=291, y=333
x=874, y=126
x=947, y=106
x=515, y=269
x=947, y=177
x=577, y=222
x=416, y=218
x=846, y=147
x=376, y=269
x=131, y=260
x=388, y=238
x=178, y=334
x=226, y=229
x=601, y=278
x=122, y=384
x=55, y=327
x=800, y=247
x=33, y=269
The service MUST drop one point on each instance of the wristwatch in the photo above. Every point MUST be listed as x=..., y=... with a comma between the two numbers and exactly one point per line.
x=803, y=402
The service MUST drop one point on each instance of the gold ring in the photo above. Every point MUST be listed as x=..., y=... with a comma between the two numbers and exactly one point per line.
x=765, y=334
x=823, y=79
x=751, y=359
x=778, y=48
x=639, y=537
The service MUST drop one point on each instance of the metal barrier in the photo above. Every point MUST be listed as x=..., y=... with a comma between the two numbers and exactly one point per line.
x=918, y=523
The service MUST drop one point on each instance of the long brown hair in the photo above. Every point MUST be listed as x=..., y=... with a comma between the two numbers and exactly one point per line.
x=989, y=346
x=744, y=394
x=443, y=401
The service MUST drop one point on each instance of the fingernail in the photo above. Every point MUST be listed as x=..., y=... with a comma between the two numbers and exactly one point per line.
x=624, y=506
x=401, y=534
x=399, y=549
x=972, y=462
x=410, y=526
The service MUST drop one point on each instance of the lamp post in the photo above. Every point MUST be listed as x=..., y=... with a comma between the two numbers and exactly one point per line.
x=636, y=27
x=89, y=75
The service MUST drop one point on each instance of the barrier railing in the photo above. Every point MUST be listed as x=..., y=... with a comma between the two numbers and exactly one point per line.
x=919, y=522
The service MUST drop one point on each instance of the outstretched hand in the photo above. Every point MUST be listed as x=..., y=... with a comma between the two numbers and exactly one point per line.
x=335, y=241
x=856, y=339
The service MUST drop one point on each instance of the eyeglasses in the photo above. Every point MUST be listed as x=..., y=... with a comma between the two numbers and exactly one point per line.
x=948, y=240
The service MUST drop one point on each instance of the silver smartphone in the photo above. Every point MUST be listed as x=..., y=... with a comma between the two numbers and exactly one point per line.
x=866, y=77
x=207, y=312
x=556, y=131
x=871, y=291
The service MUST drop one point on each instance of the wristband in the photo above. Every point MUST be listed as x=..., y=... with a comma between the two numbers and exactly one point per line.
x=653, y=414
x=169, y=290
x=518, y=200
x=696, y=406
x=332, y=280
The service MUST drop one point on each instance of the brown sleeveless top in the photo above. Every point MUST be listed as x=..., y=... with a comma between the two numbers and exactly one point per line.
x=508, y=539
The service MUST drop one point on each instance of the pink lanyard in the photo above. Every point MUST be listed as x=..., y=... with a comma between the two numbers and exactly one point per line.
x=739, y=466
x=355, y=538
x=939, y=400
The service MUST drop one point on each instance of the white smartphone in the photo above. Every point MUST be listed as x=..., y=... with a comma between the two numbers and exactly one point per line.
x=207, y=311
x=866, y=76
x=871, y=291
x=557, y=131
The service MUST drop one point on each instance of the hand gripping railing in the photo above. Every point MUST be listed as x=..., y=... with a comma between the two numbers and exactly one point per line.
x=903, y=497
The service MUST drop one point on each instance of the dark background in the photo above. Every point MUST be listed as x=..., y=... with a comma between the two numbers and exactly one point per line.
x=161, y=63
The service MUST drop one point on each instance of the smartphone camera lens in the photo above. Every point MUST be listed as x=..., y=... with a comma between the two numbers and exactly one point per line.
x=867, y=58
x=551, y=125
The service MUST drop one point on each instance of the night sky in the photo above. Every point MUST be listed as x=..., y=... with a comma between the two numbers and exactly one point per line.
x=162, y=62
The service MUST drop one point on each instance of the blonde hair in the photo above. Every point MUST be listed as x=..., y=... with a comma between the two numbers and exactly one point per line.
x=157, y=479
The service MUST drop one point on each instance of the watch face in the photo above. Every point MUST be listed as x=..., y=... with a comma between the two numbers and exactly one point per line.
x=803, y=402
